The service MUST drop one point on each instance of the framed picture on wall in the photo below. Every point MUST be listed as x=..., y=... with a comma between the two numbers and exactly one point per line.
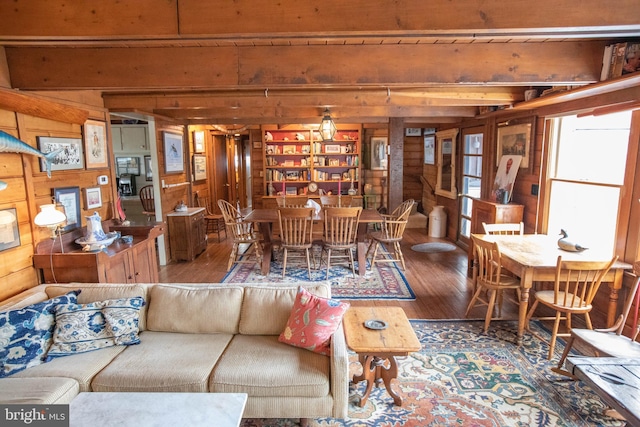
x=69, y=197
x=173, y=152
x=430, y=149
x=379, y=153
x=9, y=231
x=198, y=141
x=515, y=140
x=199, y=167
x=93, y=197
x=70, y=155
x=95, y=144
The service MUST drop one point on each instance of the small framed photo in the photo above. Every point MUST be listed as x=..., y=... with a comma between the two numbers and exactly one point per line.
x=199, y=167
x=413, y=132
x=430, y=149
x=335, y=177
x=92, y=198
x=95, y=144
x=70, y=154
x=9, y=231
x=257, y=145
x=69, y=197
x=332, y=149
x=198, y=141
x=173, y=152
x=291, y=191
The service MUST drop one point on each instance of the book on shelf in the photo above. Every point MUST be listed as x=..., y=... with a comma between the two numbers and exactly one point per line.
x=619, y=59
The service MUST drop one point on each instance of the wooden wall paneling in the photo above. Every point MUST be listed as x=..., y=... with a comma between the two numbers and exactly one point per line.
x=412, y=168
x=17, y=282
x=631, y=214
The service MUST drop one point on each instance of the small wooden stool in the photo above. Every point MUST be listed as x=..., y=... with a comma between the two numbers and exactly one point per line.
x=376, y=347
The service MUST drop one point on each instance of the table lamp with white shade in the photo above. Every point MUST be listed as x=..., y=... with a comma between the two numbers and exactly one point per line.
x=50, y=218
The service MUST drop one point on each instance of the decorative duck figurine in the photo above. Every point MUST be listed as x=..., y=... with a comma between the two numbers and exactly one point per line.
x=566, y=245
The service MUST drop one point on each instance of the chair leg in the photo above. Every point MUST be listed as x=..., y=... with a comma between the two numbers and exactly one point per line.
x=232, y=257
x=530, y=315
x=328, y=262
x=475, y=297
x=284, y=262
x=554, y=335
x=375, y=254
x=487, y=318
x=558, y=369
x=353, y=264
x=399, y=254
x=308, y=263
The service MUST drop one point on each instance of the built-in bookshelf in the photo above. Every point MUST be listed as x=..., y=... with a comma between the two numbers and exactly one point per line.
x=297, y=161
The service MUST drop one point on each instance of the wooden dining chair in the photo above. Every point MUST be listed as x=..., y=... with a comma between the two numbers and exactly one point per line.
x=296, y=230
x=335, y=201
x=609, y=342
x=245, y=239
x=340, y=234
x=214, y=222
x=292, y=201
x=390, y=234
x=148, y=202
x=504, y=228
x=576, y=284
x=489, y=277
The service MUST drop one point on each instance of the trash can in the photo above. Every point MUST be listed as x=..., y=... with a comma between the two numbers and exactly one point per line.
x=438, y=222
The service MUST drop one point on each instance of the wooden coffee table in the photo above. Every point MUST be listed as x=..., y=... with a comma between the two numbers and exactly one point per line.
x=377, y=348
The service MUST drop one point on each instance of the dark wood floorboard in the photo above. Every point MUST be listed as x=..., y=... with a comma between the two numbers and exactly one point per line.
x=438, y=280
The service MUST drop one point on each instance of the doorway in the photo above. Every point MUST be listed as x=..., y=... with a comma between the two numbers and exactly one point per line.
x=471, y=179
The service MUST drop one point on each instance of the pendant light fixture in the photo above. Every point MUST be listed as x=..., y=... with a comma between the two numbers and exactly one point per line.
x=327, y=127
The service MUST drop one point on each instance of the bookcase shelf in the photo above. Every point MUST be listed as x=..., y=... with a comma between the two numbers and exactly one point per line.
x=295, y=156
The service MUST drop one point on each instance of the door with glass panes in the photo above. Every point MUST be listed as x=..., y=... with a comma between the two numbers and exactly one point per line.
x=470, y=179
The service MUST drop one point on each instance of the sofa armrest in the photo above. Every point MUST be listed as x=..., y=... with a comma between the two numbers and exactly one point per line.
x=339, y=374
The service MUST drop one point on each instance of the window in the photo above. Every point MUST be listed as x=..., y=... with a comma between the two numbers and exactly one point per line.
x=471, y=178
x=587, y=167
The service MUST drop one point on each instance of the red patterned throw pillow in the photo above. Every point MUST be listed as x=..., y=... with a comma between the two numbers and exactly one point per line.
x=312, y=321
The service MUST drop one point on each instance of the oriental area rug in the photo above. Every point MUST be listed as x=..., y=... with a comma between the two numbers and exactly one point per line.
x=384, y=282
x=463, y=377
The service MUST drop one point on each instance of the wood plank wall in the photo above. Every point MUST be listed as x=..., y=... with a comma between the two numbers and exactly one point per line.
x=29, y=188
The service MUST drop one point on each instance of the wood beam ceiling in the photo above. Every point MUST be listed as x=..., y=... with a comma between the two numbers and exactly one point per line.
x=199, y=61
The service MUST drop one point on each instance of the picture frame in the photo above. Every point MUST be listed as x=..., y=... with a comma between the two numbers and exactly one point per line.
x=148, y=169
x=515, y=140
x=173, y=152
x=198, y=141
x=93, y=197
x=446, y=141
x=257, y=145
x=9, y=230
x=71, y=157
x=69, y=198
x=95, y=144
x=413, y=132
x=332, y=149
x=379, y=153
x=291, y=191
x=430, y=149
x=199, y=167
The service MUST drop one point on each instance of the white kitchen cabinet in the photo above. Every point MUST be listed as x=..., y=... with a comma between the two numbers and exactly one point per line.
x=130, y=138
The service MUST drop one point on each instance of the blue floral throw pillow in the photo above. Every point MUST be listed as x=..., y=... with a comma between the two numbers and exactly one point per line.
x=26, y=334
x=86, y=327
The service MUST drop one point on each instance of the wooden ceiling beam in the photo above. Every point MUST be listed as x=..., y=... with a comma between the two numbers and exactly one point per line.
x=263, y=67
x=174, y=19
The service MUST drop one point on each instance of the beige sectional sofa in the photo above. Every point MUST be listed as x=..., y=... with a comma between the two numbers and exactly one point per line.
x=196, y=338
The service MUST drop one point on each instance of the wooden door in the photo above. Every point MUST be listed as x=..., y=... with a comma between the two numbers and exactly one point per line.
x=220, y=171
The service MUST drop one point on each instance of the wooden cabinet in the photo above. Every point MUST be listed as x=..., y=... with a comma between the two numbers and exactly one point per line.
x=492, y=213
x=130, y=138
x=187, y=234
x=120, y=262
x=295, y=157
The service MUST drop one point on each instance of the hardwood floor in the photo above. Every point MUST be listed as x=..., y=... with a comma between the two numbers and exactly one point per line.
x=438, y=280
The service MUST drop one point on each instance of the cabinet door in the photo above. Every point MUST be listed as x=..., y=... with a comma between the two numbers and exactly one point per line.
x=119, y=268
x=143, y=267
x=200, y=234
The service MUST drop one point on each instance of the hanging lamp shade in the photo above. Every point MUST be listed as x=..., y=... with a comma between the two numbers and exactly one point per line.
x=327, y=127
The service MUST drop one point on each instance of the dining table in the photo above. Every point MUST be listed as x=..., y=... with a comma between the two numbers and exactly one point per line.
x=533, y=258
x=266, y=217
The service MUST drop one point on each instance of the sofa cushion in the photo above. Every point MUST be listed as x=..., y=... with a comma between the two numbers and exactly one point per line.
x=26, y=334
x=312, y=322
x=93, y=292
x=37, y=391
x=194, y=310
x=164, y=362
x=262, y=366
x=87, y=327
x=266, y=308
x=81, y=367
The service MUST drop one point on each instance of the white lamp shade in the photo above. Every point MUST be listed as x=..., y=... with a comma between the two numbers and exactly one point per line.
x=49, y=216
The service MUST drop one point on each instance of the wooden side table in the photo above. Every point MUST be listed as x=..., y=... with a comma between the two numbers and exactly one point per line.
x=377, y=348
